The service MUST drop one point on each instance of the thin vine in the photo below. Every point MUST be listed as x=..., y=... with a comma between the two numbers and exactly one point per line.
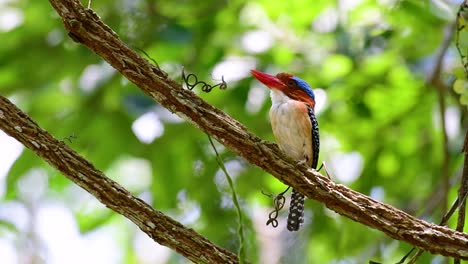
x=240, y=227
x=191, y=81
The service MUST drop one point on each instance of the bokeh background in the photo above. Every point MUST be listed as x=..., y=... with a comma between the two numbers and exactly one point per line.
x=391, y=123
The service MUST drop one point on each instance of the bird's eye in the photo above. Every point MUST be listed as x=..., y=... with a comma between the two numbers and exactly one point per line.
x=291, y=83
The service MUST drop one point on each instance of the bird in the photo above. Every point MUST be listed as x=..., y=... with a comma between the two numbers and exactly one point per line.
x=295, y=128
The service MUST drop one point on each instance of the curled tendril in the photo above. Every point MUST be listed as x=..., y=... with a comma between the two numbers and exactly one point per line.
x=278, y=204
x=191, y=81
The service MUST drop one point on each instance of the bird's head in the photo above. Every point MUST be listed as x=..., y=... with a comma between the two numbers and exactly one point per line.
x=290, y=85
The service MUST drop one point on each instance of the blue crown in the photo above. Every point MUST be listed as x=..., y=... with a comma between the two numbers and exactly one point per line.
x=304, y=86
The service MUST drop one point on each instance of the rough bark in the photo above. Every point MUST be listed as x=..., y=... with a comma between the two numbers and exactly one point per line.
x=161, y=228
x=85, y=26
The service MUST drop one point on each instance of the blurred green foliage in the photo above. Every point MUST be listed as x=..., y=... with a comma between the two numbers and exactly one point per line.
x=379, y=117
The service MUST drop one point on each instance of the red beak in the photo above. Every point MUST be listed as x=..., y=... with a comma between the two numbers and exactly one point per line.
x=269, y=80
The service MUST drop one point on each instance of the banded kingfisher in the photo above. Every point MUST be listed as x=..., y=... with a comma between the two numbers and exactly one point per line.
x=295, y=128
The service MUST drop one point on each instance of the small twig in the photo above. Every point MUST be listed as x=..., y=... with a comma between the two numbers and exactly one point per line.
x=402, y=260
x=240, y=227
x=456, y=205
x=324, y=166
x=191, y=81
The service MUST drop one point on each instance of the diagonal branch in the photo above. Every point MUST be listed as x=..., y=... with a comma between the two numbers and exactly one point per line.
x=163, y=229
x=86, y=27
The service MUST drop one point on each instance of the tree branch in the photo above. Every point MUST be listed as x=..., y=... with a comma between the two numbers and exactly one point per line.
x=86, y=27
x=161, y=228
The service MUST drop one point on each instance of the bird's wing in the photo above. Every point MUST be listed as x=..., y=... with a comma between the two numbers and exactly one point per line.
x=315, y=137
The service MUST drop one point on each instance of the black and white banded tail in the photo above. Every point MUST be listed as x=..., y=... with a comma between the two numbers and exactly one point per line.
x=296, y=211
x=296, y=207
